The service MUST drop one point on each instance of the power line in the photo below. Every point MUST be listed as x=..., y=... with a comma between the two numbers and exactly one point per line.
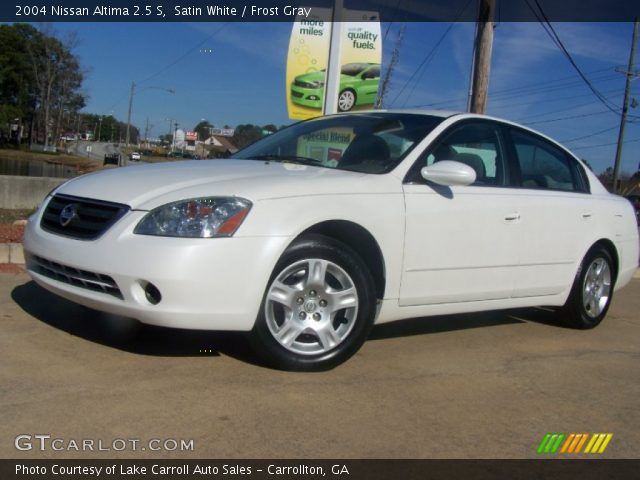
x=168, y=66
x=556, y=40
x=529, y=89
x=604, y=144
x=431, y=54
x=183, y=56
x=588, y=136
x=393, y=19
x=552, y=99
x=567, y=118
x=551, y=112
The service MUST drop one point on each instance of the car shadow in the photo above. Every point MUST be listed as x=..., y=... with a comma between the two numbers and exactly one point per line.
x=131, y=336
x=127, y=334
x=449, y=323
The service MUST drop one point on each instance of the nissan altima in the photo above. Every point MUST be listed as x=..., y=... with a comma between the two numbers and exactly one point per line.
x=308, y=237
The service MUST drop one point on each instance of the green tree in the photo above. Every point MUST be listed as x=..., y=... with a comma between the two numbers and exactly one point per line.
x=18, y=94
x=40, y=81
x=246, y=134
x=202, y=129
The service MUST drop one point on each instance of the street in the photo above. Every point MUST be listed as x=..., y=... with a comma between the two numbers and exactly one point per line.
x=487, y=385
x=98, y=150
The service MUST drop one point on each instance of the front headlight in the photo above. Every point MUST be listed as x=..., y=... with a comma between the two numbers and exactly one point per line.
x=196, y=218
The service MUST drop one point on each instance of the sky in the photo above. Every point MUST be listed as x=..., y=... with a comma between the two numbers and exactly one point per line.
x=234, y=73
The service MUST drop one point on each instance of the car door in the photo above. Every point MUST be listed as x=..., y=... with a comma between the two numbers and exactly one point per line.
x=367, y=90
x=461, y=241
x=556, y=214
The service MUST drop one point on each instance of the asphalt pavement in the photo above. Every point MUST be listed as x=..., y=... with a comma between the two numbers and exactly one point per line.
x=487, y=385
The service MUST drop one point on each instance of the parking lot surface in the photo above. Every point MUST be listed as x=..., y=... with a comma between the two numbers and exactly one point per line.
x=487, y=385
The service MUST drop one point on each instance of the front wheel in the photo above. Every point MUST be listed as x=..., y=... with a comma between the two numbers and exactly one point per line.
x=346, y=100
x=592, y=290
x=318, y=307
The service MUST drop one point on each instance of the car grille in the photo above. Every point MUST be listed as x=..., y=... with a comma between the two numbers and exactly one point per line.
x=96, y=282
x=296, y=94
x=92, y=217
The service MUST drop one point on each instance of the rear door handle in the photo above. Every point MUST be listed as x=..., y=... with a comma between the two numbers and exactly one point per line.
x=587, y=214
x=512, y=216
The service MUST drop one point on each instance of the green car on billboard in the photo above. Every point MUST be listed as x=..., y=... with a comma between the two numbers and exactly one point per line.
x=358, y=86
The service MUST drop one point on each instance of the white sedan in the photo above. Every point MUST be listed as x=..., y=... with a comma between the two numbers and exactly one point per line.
x=308, y=237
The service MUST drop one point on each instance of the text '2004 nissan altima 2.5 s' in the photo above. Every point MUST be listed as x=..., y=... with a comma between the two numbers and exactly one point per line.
x=308, y=237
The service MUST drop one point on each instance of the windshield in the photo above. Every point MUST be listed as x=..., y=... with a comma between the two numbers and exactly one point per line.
x=353, y=69
x=367, y=142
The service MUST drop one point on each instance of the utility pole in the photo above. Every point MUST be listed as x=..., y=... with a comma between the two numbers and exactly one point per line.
x=625, y=107
x=99, y=128
x=146, y=132
x=175, y=132
x=482, y=56
x=133, y=89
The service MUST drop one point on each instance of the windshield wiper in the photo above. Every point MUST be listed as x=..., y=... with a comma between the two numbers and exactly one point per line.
x=288, y=158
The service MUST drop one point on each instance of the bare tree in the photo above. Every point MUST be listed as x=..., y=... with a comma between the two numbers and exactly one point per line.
x=395, y=57
x=57, y=76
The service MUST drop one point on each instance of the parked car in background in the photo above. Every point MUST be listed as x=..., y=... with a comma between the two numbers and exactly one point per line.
x=311, y=235
x=358, y=86
x=134, y=156
x=635, y=201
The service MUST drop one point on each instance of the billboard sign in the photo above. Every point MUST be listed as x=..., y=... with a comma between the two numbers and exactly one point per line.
x=222, y=132
x=308, y=57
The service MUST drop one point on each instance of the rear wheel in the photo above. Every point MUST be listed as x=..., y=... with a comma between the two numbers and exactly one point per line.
x=318, y=307
x=592, y=290
x=346, y=100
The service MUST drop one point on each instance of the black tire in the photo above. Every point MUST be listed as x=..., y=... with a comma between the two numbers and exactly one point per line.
x=347, y=91
x=582, y=311
x=307, y=350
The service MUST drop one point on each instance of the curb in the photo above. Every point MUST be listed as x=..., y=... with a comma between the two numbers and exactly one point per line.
x=11, y=253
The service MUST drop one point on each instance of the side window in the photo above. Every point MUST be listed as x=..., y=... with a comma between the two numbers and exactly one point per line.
x=544, y=166
x=373, y=72
x=475, y=144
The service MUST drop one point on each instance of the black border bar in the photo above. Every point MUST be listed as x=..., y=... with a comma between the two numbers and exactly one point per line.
x=557, y=469
x=274, y=10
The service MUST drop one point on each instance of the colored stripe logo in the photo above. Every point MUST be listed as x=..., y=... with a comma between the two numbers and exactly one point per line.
x=574, y=443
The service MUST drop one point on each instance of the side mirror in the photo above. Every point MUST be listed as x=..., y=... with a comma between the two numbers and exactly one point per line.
x=449, y=173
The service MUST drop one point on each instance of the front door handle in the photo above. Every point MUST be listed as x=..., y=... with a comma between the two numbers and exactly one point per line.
x=587, y=214
x=512, y=216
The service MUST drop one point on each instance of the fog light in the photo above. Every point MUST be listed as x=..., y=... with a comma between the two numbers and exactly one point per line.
x=313, y=97
x=152, y=293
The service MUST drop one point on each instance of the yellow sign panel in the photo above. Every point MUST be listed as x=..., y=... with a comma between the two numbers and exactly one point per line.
x=308, y=58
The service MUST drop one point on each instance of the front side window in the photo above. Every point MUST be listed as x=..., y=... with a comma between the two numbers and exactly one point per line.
x=368, y=143
x=544, y=166
x=476, y=144
x=373, y=72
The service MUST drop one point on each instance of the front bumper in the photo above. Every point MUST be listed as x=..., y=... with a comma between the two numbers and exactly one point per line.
x=307, y=97
x=208, y=284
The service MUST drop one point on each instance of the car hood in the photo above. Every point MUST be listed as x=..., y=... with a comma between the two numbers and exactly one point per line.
x=311, y=77
x=320, y=77
x=150, y=185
